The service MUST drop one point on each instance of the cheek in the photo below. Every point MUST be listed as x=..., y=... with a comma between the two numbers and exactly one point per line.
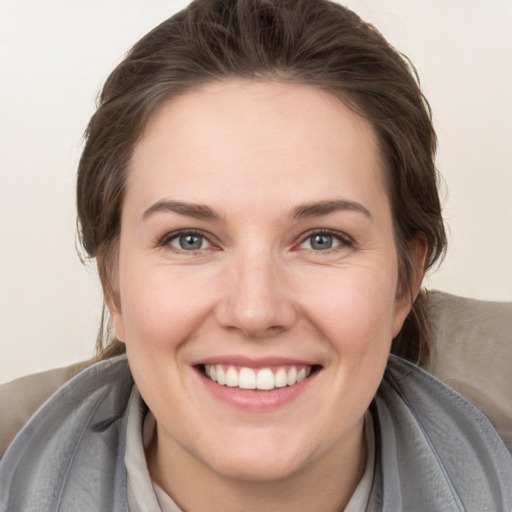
x=160, y=306
x=353, y=307
x=161, y=314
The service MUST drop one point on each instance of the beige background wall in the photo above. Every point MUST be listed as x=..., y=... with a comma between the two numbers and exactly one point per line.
x=54, y=56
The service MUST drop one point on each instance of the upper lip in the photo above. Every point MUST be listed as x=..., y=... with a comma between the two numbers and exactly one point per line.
x=247, y=362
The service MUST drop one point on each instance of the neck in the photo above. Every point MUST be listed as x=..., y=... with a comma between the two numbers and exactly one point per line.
x=326, y=484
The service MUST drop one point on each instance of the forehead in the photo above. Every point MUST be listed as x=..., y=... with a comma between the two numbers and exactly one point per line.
x=255, y=137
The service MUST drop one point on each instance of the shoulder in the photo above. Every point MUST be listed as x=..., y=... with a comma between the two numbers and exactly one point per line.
x=433, y=442
x=20, y=398
x=73, y=443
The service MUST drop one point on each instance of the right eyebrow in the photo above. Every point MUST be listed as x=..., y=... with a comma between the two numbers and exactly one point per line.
x=325, y=207
x=198, y=211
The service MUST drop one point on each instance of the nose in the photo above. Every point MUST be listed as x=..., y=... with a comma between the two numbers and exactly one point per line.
x=256, y=299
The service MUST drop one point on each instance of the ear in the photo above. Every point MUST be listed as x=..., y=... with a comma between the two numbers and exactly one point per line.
x=117, y=322
x=113, y=303
x=404, y=301
x=107, y=264
x=418, y=255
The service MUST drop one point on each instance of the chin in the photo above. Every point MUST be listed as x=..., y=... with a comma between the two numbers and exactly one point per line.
x=265, y=456
x=258, y=467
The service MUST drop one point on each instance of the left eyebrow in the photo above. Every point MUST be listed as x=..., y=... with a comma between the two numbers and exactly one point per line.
x=198, y=211
x=325, y=207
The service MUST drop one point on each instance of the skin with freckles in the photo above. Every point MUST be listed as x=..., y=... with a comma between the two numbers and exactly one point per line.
x=257, y=231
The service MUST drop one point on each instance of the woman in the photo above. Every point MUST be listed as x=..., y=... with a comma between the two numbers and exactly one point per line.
x=259, y=192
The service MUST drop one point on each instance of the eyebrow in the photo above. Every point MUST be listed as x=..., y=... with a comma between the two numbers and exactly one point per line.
x=198, y=211
x=319, y=208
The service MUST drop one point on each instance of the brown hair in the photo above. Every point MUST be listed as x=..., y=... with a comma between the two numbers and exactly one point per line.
x=314, y=42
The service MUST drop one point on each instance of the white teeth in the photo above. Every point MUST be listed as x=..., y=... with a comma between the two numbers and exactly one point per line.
x=247, y=379
x=264, y=379
x=221, y=376
x=280, y=379
x=232, y=378
x=291, y=377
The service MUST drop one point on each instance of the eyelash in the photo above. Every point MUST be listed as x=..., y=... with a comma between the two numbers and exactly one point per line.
x=344, y=240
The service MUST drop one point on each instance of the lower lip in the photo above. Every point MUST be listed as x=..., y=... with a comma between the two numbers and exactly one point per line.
x=257, y=400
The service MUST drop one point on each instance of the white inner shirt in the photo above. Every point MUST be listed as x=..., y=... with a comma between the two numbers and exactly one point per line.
x=144, y=495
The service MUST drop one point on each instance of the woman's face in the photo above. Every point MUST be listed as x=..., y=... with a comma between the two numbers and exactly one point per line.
x=257, y=249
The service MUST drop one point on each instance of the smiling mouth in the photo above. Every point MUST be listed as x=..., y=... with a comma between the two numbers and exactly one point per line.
x=263, y=379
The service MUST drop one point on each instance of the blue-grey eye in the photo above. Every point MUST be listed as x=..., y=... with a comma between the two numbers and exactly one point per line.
x=189, y=242
x=321, y=242
x=325, y=241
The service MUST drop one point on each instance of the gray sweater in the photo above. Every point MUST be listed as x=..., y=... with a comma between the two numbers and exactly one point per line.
x=435, y=451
